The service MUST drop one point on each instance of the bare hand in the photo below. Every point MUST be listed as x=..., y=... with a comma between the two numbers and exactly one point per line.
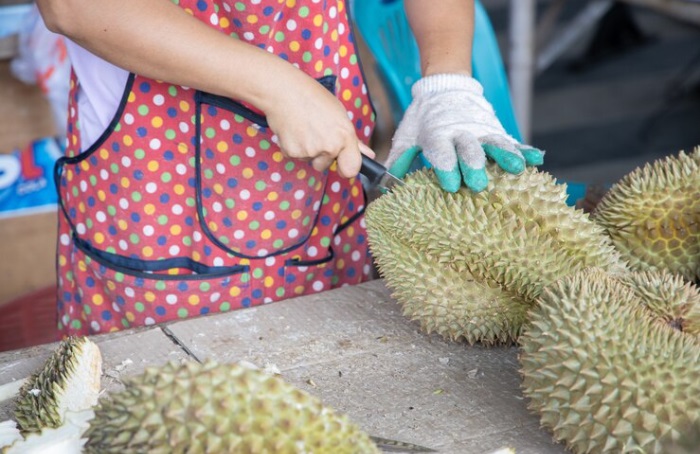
x=312, y=125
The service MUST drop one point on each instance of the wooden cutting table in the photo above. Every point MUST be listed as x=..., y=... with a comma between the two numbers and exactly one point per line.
x=354, y=349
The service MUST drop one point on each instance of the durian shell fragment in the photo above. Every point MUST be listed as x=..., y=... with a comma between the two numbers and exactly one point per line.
x=64, y=439
x=604, y=368
x=469, y=265
x=222, y=408
x=69, y=380
x=653, y=215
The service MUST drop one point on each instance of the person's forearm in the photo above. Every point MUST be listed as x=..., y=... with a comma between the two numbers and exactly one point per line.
x=157, y=39
x=444, y=31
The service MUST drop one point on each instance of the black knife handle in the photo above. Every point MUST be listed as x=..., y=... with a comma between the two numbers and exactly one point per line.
x=373, y=170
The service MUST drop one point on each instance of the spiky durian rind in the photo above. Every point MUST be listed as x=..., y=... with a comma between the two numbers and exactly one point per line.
x=210, y=407
x=669, y=298
x=443, y=300
x=604, y=369
x=68, y=381
x=653, y=215
x=468, y=265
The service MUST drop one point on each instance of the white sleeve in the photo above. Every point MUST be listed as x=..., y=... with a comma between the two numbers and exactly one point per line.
x=101, y=90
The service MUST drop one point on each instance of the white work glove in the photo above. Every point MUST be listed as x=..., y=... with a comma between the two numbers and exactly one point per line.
x=455, y=128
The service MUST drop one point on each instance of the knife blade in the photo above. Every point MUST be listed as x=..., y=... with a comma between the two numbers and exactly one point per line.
x=389, y=445
x=376, y=175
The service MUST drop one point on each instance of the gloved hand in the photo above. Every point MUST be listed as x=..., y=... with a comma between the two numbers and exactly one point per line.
x=456, y=128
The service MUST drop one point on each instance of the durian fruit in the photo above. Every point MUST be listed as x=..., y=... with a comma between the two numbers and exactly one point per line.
x=609, y=367
x=210, y=407
x=470, y=265
x=653, y=215
x=68, y=381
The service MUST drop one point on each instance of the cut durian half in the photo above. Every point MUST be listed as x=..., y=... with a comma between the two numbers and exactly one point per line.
x=68, y=381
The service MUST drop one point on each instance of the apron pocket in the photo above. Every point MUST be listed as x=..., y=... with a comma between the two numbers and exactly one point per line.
x=302, y=277
x=116, y=297
x=252, y=201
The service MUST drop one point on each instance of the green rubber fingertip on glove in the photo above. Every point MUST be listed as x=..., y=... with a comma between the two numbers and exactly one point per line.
x=475, y=179
x=533, y=156
x=506, y=160
x=449, y=180
x=404, y=162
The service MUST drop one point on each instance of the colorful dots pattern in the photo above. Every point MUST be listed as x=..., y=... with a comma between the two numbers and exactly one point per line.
x=260, y=227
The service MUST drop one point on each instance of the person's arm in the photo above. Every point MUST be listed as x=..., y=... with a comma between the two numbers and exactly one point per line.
x=159, y=40
x=444, y=31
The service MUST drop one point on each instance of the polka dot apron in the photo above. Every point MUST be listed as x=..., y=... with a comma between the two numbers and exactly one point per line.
x=185, y=205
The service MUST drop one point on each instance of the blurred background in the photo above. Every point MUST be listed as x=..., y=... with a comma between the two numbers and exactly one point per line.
x=613, y=84
x=624, y=92
x=602, y=86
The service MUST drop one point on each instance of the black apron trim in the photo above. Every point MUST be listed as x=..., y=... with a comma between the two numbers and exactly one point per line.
x=349, y=222
x=63, y=160
x=150, y=268
x=230, y=105
x=238, y=108
x=110, y=128
x=299, y=262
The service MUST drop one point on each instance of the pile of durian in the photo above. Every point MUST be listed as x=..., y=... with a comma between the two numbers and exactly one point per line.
x=604, y=307
x=176, y=408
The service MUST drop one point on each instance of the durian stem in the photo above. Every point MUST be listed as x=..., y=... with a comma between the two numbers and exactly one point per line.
x=676, y=324
x=10, y=390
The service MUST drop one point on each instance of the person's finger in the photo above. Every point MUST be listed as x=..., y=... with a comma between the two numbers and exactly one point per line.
x=350, y=160
x=504, y=153
x=367, y=151
x=469, y=150
x=403, y=162
x=449, y=180
x=439, y=151
x=533, y=156
x=405, y=140
x=322, y=162
x=475, y=179
x=507, y=160
x=472, y=162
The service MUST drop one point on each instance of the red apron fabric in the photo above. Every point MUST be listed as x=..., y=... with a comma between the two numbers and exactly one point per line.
x=186, y=206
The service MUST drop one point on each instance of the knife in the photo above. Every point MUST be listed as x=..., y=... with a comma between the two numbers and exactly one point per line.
x=376, y=175
x=389, y=445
